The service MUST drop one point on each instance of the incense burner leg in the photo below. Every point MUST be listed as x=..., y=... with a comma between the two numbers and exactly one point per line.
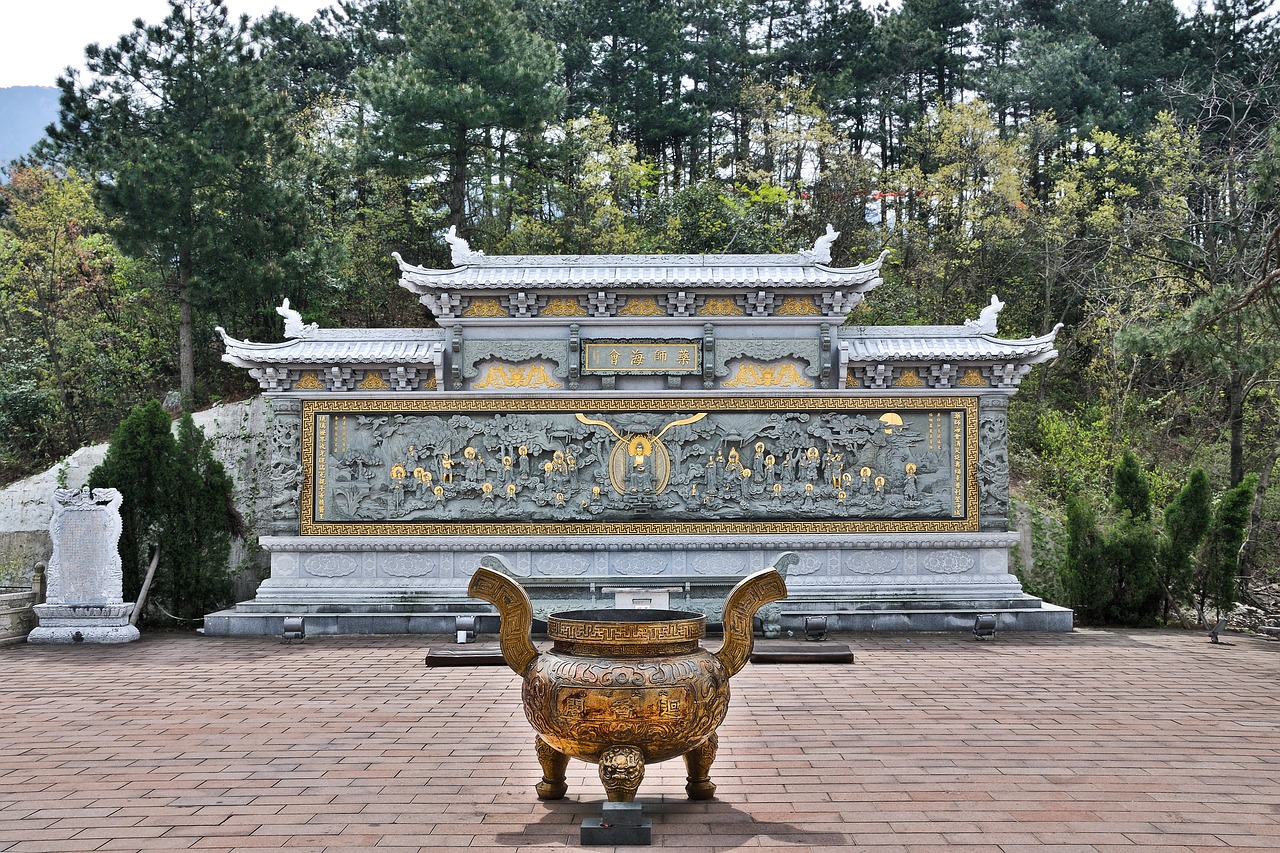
x=698, y=761
x=621, y=771
x=554, y=763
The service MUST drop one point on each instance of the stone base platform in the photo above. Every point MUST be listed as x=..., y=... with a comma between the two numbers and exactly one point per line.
x=417, y=585
x=438, y=618
x=83, y=623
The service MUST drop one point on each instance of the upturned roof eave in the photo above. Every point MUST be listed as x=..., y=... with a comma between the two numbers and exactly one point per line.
x=578, y=272
x=365, y=346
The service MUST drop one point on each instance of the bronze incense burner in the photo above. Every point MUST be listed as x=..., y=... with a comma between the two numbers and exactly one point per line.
x=626, y=688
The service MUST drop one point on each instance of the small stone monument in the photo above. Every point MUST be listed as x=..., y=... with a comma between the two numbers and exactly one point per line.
x=84, y=600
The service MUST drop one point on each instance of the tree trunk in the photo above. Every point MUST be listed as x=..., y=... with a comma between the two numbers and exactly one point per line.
x=458, y=179
x=1248, y=551
x=1235, y=419
x=146, y=588
x=186, y=332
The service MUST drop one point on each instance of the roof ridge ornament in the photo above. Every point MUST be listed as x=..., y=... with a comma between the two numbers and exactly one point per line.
x=988, y=318
x=821, y=251
x=293, y=325
x=461, y=252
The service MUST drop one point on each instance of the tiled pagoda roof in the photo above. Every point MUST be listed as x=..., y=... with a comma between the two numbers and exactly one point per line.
x=338, y=346
x=574, y=272
x=942, y=343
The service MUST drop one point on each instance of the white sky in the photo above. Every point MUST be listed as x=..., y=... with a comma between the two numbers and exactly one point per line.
x=39, y=38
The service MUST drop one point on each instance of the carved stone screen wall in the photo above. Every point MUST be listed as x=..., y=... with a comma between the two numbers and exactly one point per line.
x=721, y=466
x=618, y=427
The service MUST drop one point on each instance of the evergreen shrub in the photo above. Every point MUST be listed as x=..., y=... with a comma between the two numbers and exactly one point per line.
x=177, y=497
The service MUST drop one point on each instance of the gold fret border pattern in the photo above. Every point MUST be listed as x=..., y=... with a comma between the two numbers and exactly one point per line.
x=965, y=421
x=671, y=630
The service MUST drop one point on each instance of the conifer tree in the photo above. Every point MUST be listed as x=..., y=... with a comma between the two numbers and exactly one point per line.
x=138, y=464
x=196, y=538
x=192, y=151
x=1131, y=492
x=1217, y=581
x=470, y=71
x=1131, y=546
x=1186, y=520
x=177, y=498
x=1085, y=567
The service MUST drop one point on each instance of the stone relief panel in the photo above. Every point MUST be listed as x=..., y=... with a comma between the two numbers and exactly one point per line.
x=811, y=562
x=634, y=565
x=949, y=562
x=720, y=564
x=552, y=352
x=383, y=467
x=993, y=463
x=561, y=565
x=807, y=354
x=331, y=565
x=410, y=565
x=871, y=562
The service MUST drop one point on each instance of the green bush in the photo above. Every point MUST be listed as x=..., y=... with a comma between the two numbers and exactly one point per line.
x=1111, y=564
x=1186, y=520
x=139, y=463
x=177, y=497
x=1216, y=578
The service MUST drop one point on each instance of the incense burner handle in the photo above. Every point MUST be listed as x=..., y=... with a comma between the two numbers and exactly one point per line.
x=491, y=583
x=751, y=593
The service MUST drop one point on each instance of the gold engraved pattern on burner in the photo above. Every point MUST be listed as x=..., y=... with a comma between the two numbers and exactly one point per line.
x=676, y=630
x=556, y=704
x=597, y=649
x=573, y=702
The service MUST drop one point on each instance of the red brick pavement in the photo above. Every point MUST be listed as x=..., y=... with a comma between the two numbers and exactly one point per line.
x=1092, y=741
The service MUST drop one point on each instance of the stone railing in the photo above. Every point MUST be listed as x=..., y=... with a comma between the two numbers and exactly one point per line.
x=17, y=613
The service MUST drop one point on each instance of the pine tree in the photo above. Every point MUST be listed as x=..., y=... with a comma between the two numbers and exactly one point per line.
x=1217, y=581
x=192, y=149
x=1186, y=520
x=196, y=538
x=470, y=74
x=138, y=464
x=177, y=498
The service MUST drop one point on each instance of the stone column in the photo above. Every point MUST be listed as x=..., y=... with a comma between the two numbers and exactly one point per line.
x=993, y=462
x=286, y=465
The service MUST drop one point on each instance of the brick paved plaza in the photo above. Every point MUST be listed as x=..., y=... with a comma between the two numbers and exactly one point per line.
x=1091, y=741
